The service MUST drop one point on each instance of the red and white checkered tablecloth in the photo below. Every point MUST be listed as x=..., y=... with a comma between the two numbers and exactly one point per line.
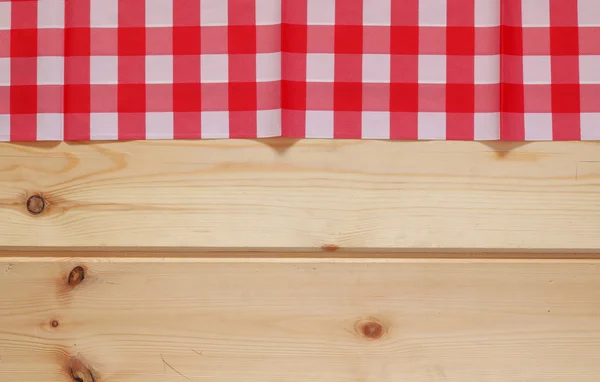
x=384, y=69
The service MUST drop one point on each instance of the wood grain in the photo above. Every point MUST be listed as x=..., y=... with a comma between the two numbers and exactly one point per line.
x=272, y=320
x=302, y=195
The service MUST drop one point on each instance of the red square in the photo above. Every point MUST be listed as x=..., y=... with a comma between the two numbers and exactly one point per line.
x=186, y=125
x=293, y=123
x=348, y=67
x=487, y=98
x=131, y=13
x=23, y=43
x=186, y=97
x=460, y=126
x=404, y=40
x=132, y=70
x=242, y=124
x=23, y=99
x=242, y=96
x=566, y=127
x=77, y=70
x=77, y=42
x=404, y=68
x=512, y=98
x=565, y=98
x=432, y=40
x=293, y=95
x=564, y=41
x=186, y=41
x=460, y=41
x=460, y=98
x=215, y=97
x=24, y=14
x=186, y=69
x=132, y=126
x=77, y=99
x=293, y=67
x=23, y=71
x=242, y=39
x=460, y=69
x=131, y=98
x=376, y=40
x=51, y=42
x=294, y=38
x=404, y=126
x=432, y=98
x=404, y=97
x=23, y=127
x=77, y=127
x=347, y=124
x=186, y=12
x=320, y=39
x=347, y=96
x=242, y=68
x=538, y=98
x=132, y=41
x=349, y=39
x=512, y=40
x=376, y=97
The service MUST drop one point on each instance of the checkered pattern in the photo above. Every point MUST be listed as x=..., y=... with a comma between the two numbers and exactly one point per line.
x=382, y=69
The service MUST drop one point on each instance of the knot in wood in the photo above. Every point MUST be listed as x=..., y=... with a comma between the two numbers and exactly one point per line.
x=80, y=372
x=76, y=276
x=36, y=205
x=370, y=328
x=54, y=323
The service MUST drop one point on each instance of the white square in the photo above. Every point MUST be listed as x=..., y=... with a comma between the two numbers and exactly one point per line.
x=432, y=12
x=104, y=126
x=5, y=15
x=589, y=69
x=319, y=124
x=432, y=69
x=487, y=69
x=4, y=127
x=4, y=71
x=589, y=13
x=268, y=12
x=320, y=67
x=321, y=12
x=538, y=126
x=376, y=68
x=537, y=70
x=159, y=69
x=213, y=12
x=50, y=70
x=535, y=13
x=159, y=125
x=432, y=125
x=51, y=14
x=486, y=126
x=487, y=13
x=159, y=13
x=50, y=127
x=214, y=68
x=377, y=12
x=104, y=70
x=376, y=125
x=268, y=67
x=104, y=13
x=590, y=126
x=215, y=124
x=268, y=123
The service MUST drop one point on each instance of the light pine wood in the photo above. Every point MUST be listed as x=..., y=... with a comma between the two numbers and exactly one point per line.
x=303, y=195
x=273, y=320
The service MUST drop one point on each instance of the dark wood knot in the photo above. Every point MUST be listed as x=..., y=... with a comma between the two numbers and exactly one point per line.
x=370, y=328
x=76, y=276
x=79, y=372
x=54, y=323
x=36, y=205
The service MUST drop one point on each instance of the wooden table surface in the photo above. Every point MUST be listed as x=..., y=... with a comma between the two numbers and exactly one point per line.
x=300, y=260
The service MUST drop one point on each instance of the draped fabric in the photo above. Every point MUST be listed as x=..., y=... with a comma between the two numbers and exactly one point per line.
x=373, y=69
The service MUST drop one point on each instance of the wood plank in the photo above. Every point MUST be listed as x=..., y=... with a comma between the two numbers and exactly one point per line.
x=274, y=320
x=303, y=195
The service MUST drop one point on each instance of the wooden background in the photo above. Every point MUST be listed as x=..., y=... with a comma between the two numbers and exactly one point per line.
x=283, y=260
